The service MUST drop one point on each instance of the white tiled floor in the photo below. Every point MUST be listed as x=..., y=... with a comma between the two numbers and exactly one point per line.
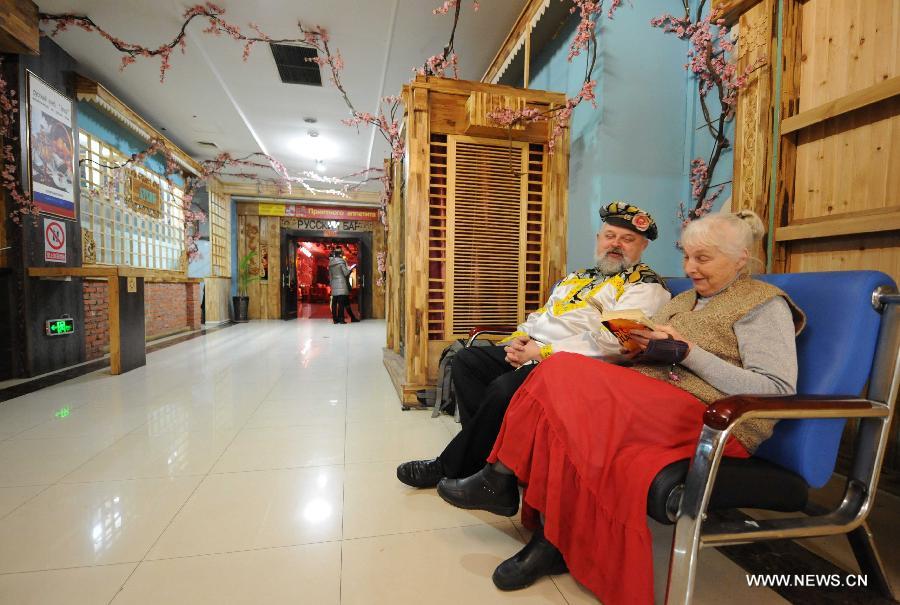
x=253, y=465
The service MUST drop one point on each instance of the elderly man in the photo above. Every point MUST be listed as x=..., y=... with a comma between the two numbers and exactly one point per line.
x=487, y=377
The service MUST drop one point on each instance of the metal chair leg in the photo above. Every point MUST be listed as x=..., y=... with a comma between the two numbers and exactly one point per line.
x=863, y=544
x=691, y=514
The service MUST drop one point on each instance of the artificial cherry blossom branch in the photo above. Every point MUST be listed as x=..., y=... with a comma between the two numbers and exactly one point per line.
x=9, y=181
x=213, y=13
x=585, y=41
x=710, y=45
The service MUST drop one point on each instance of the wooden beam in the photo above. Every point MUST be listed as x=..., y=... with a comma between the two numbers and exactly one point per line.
x=733, y=9
x=510, y=45
x=269, y=193
x=467, y=87
x=98, y=271
x=885, y=89
x=873, y=221
x=527, y=78
x=19, y=33
x=110, y=271
x=115, y=329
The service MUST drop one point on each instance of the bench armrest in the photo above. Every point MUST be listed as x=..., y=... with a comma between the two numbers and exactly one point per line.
x=479, y=330
x=491, y=330
x=729, y=411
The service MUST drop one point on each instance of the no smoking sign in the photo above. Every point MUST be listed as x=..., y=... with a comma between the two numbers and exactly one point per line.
x=54, y=241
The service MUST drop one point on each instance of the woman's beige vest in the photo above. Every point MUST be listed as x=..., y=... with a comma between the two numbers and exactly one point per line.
x=712, y=328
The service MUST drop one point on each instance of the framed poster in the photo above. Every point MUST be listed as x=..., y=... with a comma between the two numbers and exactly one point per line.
x=52, y=145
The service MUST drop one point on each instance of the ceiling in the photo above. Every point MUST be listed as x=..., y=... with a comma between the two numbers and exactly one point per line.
x=210, y=94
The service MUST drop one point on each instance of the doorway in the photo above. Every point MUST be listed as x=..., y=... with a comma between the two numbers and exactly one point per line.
x=314, y=278
x=305, y=280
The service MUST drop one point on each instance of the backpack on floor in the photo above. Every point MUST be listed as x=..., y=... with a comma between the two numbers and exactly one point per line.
x=443, y=396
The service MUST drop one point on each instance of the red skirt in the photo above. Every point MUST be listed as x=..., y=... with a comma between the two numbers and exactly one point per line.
x=587, y=438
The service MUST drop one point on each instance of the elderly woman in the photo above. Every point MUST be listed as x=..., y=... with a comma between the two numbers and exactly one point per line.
x=587, y=437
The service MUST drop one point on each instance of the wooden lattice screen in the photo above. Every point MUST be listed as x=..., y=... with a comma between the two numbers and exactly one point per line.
x=480, y=234
x=486, y=212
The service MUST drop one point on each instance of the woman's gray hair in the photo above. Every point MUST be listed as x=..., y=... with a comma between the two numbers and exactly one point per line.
x=732, y=234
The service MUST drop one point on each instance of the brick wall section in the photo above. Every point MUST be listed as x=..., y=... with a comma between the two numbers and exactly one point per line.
x=167, y=309
x=192, y=305
x=96, y=318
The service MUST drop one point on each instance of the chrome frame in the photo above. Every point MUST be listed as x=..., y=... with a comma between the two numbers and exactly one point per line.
x=475, y=336
x=693, y=532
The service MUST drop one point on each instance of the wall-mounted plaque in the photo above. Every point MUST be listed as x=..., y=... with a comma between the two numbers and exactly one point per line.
x=144, y=194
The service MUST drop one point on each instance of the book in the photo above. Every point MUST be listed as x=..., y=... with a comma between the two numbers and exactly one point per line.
x=621, y=323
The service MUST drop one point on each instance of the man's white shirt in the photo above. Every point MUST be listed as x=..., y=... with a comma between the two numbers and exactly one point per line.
x=568, y=322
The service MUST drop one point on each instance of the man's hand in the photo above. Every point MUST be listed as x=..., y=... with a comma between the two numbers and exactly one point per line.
x=522, y=349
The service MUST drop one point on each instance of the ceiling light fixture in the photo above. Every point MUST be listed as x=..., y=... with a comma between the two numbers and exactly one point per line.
x=306, y=252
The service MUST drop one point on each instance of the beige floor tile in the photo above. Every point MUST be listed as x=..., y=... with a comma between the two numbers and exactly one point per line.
x=283, y=447
x=376, y=503
x=262, y=509
x=280, y=413
x=78, y=586
x=300, y=574
x=182, y=417
x=315, y=387
x=377, y=409
x=96, y=420
x=449, y=566
x=24, y=413
x=13, y=497
x=395, y=440
x=139, y=455
x=45, y=461
x=90, y=523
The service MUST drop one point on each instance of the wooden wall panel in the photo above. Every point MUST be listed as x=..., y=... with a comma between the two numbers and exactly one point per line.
x=877, y=252
x=218, y=299
x=379, y=241
x=847, y=45
x=273, y=285
x=753, y=123
x=395, y=261
x=849, y=163
x=416, y=219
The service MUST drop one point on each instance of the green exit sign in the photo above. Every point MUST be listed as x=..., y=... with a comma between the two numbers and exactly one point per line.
x=60, y=327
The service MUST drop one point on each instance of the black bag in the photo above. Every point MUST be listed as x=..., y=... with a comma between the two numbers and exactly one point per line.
x=667, y=351
x=443, y=396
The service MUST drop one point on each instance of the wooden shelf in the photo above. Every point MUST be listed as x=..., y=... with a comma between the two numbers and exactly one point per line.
x=873, y=94
x=833, y=226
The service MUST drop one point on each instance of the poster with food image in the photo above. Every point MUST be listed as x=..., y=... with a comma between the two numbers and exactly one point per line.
x=52, y=149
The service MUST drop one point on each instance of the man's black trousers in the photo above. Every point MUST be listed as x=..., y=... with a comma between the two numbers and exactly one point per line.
x=485, y=384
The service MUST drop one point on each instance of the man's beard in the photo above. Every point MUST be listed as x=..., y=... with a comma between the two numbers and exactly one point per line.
x=611, y=266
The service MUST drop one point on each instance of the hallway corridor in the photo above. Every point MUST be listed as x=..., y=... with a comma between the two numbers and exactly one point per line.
x=253, y=465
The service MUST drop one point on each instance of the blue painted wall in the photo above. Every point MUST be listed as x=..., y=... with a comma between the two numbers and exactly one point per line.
x=638, y=144
x=105, y=128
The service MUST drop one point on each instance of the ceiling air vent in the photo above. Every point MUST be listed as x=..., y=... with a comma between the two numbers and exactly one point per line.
x=293, y=66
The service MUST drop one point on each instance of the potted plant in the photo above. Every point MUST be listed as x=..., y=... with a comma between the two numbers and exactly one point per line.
x=241, y=302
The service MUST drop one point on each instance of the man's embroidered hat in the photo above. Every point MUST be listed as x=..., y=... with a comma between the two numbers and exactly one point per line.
x=629, y=216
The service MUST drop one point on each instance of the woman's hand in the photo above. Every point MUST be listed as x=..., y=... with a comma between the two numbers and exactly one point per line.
x=643, y=337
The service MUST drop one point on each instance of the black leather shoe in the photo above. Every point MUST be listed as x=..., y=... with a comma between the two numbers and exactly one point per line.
x=421, y=473
x=485, y=490
x=539, y=558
